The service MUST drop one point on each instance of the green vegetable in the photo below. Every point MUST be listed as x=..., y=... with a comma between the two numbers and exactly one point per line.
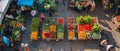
x=35, y=24
x=96, y=35
x=88, y=35
x=45, y=26
x=60, y=35
x=15, y=33
x=95, y=28
x=88, y=19
x=20, y=18
x=60, y=28
x=80, y=20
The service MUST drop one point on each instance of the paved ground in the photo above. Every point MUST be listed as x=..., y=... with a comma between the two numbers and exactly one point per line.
x=105, y=22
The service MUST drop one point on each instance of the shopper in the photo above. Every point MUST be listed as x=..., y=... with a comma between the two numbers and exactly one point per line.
x=50, y=49
x=103, y=43
x=50, y=12
x=42, y=17
x=79, y=8
x=88, y=8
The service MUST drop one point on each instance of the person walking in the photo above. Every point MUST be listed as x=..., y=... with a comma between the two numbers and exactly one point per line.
x=50, y=12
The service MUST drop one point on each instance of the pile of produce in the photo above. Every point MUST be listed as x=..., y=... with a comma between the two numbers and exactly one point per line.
x=82, y=35
x=45, y=26
x=71, y=28
x=20, y=18
x=71, y=20
x=18, y=25
x=88, y=19
x=88, y=35
x=35, y=24
x=60, y=31
x=53, y=20
x=34, y=35
x=95, y=28
x=71, y=35
x=52, y=28
x=53, y=35
x=89, y=26
x=80, y=20
x=81, y=27
x=15, y=34
x=71, y=25
x=60, y=20
x=60, y=28
x=96, y=35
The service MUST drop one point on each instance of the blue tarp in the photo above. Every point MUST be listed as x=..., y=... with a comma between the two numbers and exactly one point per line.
x=6, y=40
x=25, y=2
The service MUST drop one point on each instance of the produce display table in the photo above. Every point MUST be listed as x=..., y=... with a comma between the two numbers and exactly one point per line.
x=71, y=28
x=53, y=28
x=45, y=27
x=87, y=28
x=35, y=26
x=82, y=3
x=16, y=34
x=60, y=28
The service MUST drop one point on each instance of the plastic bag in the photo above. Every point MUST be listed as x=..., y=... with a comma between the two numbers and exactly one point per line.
x=23, y=28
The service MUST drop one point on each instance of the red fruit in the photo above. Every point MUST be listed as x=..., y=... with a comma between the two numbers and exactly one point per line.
x=60, y=21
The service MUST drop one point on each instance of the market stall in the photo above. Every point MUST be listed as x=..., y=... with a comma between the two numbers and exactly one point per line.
x=45, y=28
x=34, y=29
x=82, y=4
x=71, y=28
x=87, y=28
x=53, y=28
x=4, y=4
x=44, y=5
x=60, y=28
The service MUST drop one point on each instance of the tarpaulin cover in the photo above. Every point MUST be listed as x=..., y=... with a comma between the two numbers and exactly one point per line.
x=6, y=40
x=25, y=2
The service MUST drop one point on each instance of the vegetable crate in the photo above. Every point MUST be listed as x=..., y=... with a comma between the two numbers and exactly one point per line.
x=35, y=26
x=60, y=28
x=53, y=28
x=16, y=34
x=71, y=28
x=87, y=28
x=45, y=27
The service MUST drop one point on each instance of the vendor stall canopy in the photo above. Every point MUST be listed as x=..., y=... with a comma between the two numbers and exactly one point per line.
x=25, y=2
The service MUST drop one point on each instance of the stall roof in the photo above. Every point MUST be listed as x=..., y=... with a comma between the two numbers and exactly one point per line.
x=4, y=4
x=25, y=2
